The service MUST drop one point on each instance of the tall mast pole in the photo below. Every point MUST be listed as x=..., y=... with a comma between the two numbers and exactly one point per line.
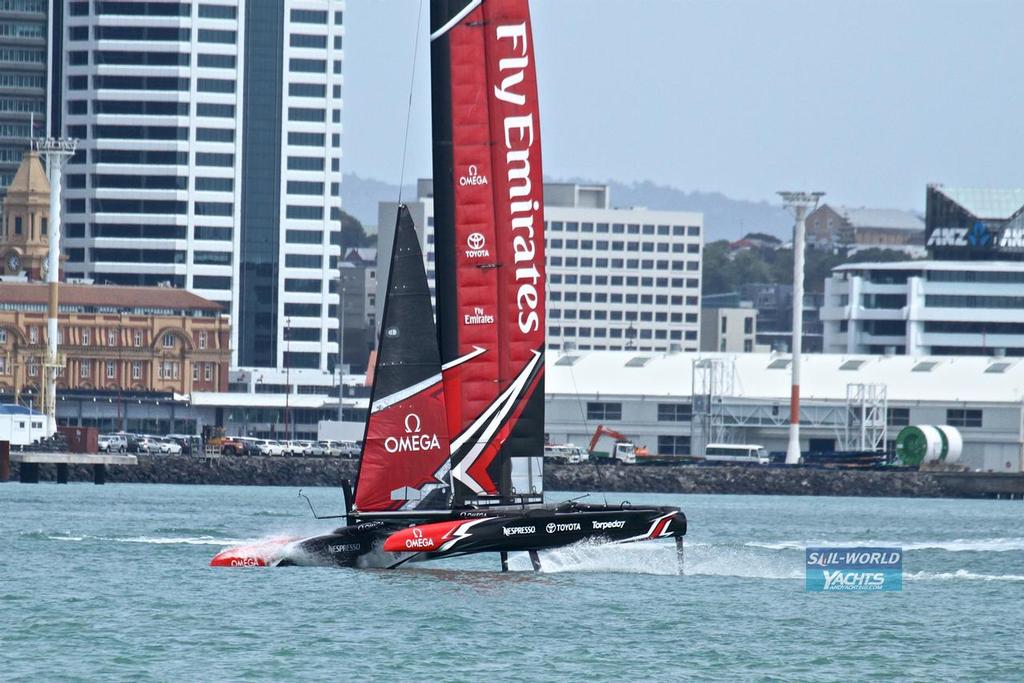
x=56, y=152
x=799, y=202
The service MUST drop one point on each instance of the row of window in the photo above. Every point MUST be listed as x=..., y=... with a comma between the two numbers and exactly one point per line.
x=955, y=417
x=84, y=337
x=968, y=301
x=619, y=316
x=150, y=83
x=617, y=263
x=210, y=258
x=152, y=34
x=623, y=228
x=11, y=79
x=619, y=333
x=618, y=245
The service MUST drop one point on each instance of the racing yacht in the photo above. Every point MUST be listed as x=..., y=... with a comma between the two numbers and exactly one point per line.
x=452, y=460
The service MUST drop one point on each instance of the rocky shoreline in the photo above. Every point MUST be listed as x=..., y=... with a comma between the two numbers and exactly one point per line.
x=279, y=471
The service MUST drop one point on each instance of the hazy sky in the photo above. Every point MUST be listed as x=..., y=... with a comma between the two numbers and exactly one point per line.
x=868, y=100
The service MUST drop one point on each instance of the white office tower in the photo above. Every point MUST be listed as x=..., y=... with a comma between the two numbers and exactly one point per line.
x=618, y=279
x=210, y=160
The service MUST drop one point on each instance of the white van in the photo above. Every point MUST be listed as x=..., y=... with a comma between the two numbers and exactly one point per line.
x=736, y=452
x=565, y=452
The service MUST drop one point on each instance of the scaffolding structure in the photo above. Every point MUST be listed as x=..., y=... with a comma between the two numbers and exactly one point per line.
x=866, y=418
x=712, y=381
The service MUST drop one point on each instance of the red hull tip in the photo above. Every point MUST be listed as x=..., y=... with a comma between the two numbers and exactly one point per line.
x=231, y=558
x=264, y=554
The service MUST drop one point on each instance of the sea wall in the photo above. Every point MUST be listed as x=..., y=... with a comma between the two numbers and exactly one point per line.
x=259, y=471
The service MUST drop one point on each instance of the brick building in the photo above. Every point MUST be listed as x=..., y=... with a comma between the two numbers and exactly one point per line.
x=137, y=339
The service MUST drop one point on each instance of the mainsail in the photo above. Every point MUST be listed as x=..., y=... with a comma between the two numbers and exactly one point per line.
x=405, y=458
x=489, y=243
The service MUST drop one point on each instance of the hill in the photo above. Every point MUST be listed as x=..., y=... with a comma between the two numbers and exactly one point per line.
x=724, y=218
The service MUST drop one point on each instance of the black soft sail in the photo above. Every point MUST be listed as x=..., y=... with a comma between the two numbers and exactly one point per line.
x=405, y=459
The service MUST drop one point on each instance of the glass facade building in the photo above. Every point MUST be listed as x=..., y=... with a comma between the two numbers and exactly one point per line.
x=210, y=160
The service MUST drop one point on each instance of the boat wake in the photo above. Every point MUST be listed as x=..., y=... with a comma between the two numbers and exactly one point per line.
x=957, y=545
x=701, y=559
x=961, y=575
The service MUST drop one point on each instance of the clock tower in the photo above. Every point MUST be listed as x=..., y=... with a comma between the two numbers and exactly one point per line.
x=26, y=221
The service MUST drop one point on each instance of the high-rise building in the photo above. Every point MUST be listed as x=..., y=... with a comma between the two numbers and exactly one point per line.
x=210, y=160
x=24, y=29
x=617, y=278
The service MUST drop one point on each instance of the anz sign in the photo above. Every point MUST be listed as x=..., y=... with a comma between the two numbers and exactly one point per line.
x=976, y=237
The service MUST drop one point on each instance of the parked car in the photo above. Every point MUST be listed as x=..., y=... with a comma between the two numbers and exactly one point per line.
x=269, y=447
x=350, y=449
x=144, y=444
x=315, y=449
x=250, y=446
x=112, y=443
x=190, y=444
x=168, y=446
x=293, y=448
x=331, y=448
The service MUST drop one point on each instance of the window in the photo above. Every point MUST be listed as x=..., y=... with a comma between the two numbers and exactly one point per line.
x=111, y=337
x=309, y=66
x=168, y=341
x=208, y=371
x=209, y=35
x=202, y=339
x=217, y=12
x=86, y=336
x=110, y=369
x=962, y=417
x=217, y=61
x=897, y=417
x=673, y=445
x=674, y=412
x=308, y=16
x=604, y=411
x=84, y=368
x=195, y=372
x=208, y=232
x=136, y=369
x=221, y=85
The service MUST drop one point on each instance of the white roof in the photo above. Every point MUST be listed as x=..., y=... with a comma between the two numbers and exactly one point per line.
x=936, y=379
x=996, y=266
x=986, y=202
x=892, y=219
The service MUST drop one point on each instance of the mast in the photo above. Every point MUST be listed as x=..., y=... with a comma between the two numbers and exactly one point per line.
x=489, y=243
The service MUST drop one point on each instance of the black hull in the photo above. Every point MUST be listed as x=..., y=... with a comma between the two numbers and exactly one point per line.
x=361, y=544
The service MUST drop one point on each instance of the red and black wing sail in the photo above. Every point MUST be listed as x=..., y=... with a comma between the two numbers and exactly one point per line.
x=406, y=452
x=489, y=243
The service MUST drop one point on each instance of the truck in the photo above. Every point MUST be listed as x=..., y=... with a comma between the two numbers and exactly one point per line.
x=623, y=449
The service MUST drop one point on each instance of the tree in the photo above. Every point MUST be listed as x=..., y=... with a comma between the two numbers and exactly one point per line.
x=352, y=232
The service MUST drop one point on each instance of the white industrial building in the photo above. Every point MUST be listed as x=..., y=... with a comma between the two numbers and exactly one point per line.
x=926, y=307
x=209, y=159
x=617, y=278
x=847, y=400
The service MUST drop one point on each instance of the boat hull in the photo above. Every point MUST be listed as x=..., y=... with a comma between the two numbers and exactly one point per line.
x=390, y=541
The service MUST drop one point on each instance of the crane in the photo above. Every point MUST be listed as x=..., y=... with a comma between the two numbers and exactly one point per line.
x=624, y=449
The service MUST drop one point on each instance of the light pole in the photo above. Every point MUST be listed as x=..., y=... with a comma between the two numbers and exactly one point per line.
x=290, y=432
x=341, y=343
x=56, y=151
x=799, y=202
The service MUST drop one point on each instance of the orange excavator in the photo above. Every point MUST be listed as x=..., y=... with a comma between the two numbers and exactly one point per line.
x=623, y=450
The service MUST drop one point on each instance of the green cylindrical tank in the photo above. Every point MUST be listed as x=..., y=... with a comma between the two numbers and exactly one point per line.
x=920, y=443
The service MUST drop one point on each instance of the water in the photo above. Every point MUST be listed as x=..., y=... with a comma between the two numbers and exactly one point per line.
x=112, y=583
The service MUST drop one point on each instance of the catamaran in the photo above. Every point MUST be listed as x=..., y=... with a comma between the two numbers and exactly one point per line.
x=452, y=460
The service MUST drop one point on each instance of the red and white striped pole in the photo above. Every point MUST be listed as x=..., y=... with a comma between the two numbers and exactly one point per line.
x=800, y=202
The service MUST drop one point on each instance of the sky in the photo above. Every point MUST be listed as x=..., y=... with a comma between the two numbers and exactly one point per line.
x=866, y=100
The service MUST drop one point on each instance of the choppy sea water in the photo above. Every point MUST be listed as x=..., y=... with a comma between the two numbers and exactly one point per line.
x=112, y=583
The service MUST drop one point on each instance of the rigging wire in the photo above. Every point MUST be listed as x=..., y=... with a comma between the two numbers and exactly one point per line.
x=408, y=111
x=586, y=426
